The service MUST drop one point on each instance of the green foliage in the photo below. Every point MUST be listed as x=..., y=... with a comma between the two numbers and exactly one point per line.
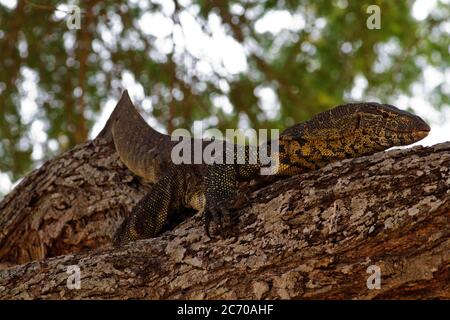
x=311, y=66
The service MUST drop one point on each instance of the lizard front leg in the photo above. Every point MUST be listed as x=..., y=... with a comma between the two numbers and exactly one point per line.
x=220, y=186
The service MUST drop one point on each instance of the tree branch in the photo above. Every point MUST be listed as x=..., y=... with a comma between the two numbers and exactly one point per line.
x=308, y=236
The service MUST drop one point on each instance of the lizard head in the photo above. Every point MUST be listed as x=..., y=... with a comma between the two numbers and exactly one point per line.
x=353, y=130
x=381, y=124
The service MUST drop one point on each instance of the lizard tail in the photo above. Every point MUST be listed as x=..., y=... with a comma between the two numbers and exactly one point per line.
x=122, y=108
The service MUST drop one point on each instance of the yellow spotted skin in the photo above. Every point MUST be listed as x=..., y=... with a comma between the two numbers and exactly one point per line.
x=346, y=131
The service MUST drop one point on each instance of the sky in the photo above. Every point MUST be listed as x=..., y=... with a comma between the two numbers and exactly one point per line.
x=221, y=52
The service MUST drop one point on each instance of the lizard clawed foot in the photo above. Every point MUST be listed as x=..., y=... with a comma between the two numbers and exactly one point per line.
x=220, y=216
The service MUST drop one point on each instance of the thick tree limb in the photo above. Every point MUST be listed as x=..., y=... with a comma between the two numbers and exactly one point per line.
x=309, y=236
x=72, y=203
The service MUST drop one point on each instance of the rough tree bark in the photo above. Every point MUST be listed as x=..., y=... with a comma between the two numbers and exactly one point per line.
x=308, y=236
x=72, y=203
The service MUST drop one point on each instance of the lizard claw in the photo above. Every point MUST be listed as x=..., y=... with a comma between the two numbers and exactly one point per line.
x=207, y=217
x=219, y=215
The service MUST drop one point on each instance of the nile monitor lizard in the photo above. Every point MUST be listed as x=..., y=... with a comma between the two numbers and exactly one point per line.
x=346, y=131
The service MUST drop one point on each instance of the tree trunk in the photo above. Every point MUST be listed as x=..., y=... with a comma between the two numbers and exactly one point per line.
x=317, y=235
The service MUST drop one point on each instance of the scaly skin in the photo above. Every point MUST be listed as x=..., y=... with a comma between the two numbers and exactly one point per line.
x=346, y=131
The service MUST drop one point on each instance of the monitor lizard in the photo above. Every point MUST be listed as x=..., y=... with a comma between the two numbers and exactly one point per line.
x=346, y=131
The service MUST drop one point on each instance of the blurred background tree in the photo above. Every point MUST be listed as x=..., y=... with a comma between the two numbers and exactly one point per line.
x=227, y=64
